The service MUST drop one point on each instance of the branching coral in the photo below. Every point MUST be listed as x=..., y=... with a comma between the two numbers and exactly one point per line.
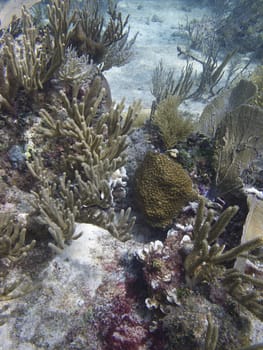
x=57, y=213
x=95, y=150
x=12, y=240
x=97, y=137
x=75, y=70
x=211, y=335
x=212, y=72
x=12, y=249
x=30, y=60
x=12, y=287
x=206, y=259
x=35, y=59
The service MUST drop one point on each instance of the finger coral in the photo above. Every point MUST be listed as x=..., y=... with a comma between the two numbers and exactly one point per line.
x=205, y=262
x=94, y=149
x=12, y=240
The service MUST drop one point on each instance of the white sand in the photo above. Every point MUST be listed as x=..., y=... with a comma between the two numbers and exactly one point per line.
x=156, y=41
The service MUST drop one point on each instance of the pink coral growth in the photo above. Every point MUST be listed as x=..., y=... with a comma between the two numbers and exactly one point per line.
x=122, y=328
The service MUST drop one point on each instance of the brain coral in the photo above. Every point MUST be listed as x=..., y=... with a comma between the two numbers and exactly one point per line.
x=163, y=188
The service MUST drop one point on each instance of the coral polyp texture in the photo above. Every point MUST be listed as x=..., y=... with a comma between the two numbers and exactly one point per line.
x=163, y=188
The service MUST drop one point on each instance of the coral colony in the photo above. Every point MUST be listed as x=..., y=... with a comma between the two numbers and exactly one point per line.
x=194, y=282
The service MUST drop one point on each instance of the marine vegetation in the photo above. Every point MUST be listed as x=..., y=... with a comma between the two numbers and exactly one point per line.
x=94, y=149
x=228, y=100
x=238, y=140
x=187, y=292
x=257, y=79
x=202, y=262
x=190, y=275
x=163, y=188
x=212, y=70
x=164, y=83
x=13, y=249
x=234, y=124
x=31, y=55
x=172, y=126
x=12, y=239
x=63, y=55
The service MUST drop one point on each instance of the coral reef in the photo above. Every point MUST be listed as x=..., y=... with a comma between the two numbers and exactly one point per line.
x=30, y=60
x=103, y=43
x=257, y=79
x=12, y=239
x=96, y=144
x=13, y=249
x=242, y=25
x=226, y=101
x=212, y=71
x=201, y=263
x=214, y=288
x=172, y=126
x=163, y=187
x=238, y=140
x=68, y=147
x=164, y=83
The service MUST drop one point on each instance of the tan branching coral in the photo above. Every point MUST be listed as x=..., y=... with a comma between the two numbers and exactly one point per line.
x=76, y=70
x=246, y=290
x=12, y=249
x=211, y=334
x=37, y=56
x=205, y=262
x=12, y=287
x=96, y=143
x=98, y=137
x=33, y=55
x=12, y=239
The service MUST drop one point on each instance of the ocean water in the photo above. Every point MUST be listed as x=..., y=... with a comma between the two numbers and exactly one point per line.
x=178, y=34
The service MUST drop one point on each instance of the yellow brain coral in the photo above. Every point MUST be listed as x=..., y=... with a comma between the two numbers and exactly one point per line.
x=163, y=188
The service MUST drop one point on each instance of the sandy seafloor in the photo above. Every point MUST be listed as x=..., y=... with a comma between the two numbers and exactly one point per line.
x=158, y=25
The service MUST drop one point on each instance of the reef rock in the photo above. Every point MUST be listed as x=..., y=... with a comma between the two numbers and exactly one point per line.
x=80, y=301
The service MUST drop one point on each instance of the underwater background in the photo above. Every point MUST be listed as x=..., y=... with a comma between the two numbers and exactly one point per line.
x=131, y=175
